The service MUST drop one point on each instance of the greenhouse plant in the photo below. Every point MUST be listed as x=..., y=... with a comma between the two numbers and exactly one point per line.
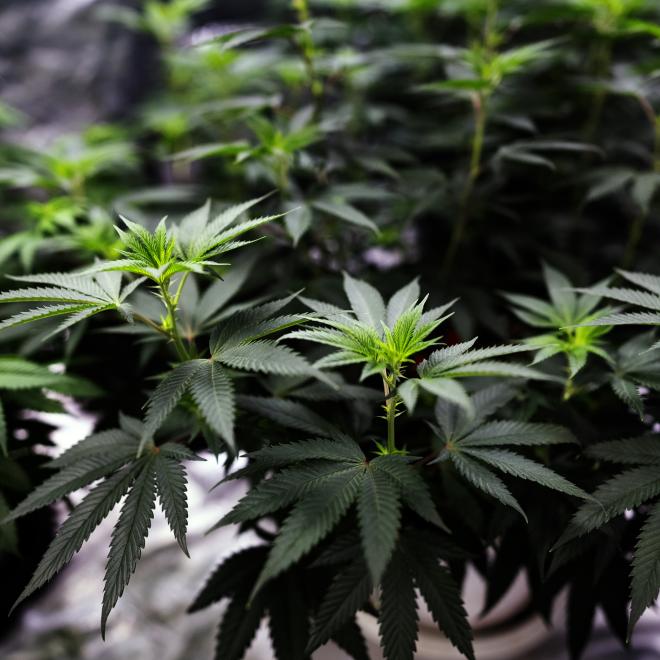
x=388, y=268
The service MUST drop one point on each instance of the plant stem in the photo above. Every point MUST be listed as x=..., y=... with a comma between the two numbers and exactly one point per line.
x=170, y=305
x=480, y=115
x=637, y=224
x=152, y=324
x=390, y=413
x=308, y=53
x=634, y=236
x=569, y=389
x=602, y=58
x=179, y=288
x=478, y=139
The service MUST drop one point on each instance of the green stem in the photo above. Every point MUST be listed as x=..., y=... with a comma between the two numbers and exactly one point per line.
x=152, y=324
x=490, y=33
x=479, y=132
x=637, y=224
x=308, y=54
x=170, y=305
x=390, y=413
x=282, y=173
x=568, y=389
x=634, y=236
x=179, y=288
x=602, y=59
x=458, y=233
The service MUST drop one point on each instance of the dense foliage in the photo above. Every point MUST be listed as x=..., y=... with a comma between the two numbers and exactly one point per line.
x=426, y=171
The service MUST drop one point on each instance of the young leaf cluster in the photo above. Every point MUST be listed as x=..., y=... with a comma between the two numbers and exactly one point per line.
x=386, y=337
x=156, y=256
x=574, y=323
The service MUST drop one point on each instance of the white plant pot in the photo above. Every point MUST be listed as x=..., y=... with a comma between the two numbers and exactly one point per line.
x=500, y=635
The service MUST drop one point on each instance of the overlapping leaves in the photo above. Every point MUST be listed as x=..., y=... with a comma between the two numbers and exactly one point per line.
x=191, y=246
x=382, y=337
x=239, y=343
x=76, y=296
x=155, y=255
x=475, y=445
x=637, y=485
x=386, y=337
x=647, y=296
x=111, y=456
x=322, y=479
x=286, y=601
x=636, y=365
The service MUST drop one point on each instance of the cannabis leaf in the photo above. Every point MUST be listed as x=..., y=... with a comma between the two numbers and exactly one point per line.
x=437, y=373
x=200, y=237
x=636, y=364
x=416, y=565
x=156, y=255
x=75, y=296
x=290, y=414
x=344, y=211
x=645, y=574
x=347, y=593
x=473, y=445
x=192, y=246
x=480, y=69
x=201, y=310
x=382, y=337
x=129, y=537
x=398, y=610
x=285, y=601
x=323, y=478
x=627, y=490
x=648, y=298
x=238, y=343
x=386, y=337
x=110, y=454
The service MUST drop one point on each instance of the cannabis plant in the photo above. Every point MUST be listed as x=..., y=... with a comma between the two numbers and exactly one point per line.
x=487, y=133
x=322, y=485
x=570, y=317
x=384, y=338
x=319, y=480
x=132, y=458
